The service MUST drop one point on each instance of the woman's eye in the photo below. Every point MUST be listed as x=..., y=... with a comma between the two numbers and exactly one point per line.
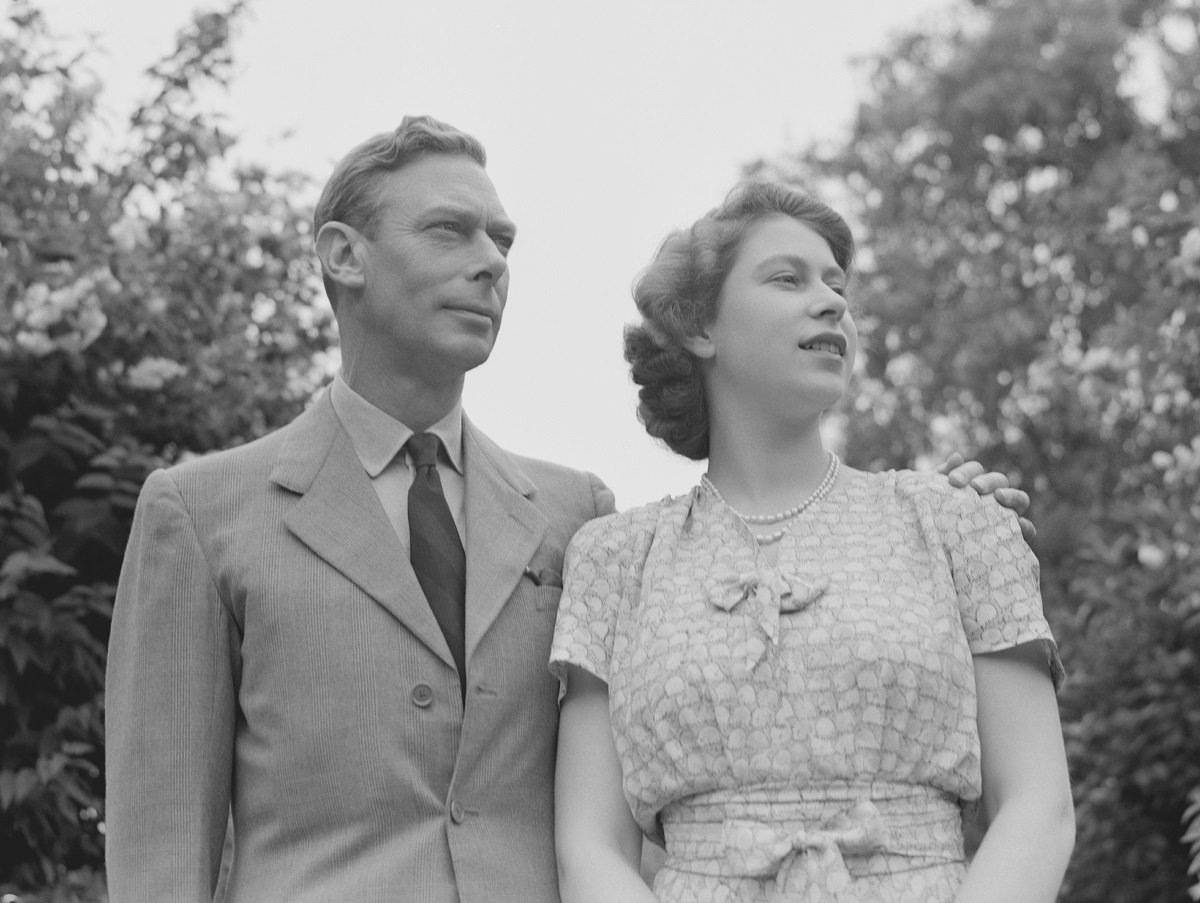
x=786, y=279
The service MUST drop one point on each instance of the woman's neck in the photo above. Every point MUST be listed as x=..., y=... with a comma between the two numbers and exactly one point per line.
x=761, y=471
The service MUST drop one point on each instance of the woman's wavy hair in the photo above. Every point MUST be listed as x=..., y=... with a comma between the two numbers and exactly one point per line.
x=677, y=296
x=352, y=195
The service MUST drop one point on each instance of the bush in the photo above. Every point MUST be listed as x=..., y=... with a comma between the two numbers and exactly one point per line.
x=1031, y=293
x=158, y=301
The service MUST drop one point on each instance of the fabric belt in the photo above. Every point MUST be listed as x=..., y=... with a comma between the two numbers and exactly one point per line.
x=814, y=839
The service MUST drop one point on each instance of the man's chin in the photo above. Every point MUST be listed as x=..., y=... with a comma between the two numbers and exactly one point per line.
x=473, y=354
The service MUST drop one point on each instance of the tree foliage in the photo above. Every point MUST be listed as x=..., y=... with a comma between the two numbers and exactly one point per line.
x=157, y=301
x=1025, y=184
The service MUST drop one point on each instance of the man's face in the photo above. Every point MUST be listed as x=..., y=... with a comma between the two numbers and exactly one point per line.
x=436, y=269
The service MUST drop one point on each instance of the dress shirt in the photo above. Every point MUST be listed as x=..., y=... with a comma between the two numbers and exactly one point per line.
x=378, y=440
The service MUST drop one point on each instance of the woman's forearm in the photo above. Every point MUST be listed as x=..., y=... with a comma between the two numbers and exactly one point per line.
x=598, y=842
x=1024, y=854
x=600, y=876
x=1026, y=786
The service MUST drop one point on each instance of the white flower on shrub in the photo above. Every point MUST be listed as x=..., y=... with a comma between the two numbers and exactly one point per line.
x=36, y=310
x=36, y=343
x=1119, y=219
x=64, y=319
x=1189, y=253
x=153, y=372
x=89, y=324
x=1151, y=557
x=128, y=233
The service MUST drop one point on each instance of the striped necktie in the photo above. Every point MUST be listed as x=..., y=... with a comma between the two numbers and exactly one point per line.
x=436, y=549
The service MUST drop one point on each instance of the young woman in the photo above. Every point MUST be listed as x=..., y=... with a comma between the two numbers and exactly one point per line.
x=797, y=675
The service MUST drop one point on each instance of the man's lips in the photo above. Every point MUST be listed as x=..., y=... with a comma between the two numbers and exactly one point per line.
x=484, y=312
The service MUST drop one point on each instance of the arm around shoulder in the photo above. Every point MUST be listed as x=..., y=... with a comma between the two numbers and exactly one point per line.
x=169, y=709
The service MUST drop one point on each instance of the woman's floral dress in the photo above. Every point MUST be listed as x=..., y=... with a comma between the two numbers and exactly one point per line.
x=803, y=731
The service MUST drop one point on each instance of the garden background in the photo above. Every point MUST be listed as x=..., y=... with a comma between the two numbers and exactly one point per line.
x=1024, y=180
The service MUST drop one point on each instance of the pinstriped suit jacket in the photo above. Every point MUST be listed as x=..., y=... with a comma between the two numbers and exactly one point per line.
x=272, y=651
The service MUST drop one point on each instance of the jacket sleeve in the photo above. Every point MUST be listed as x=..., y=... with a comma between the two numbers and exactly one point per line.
x=170, y=709
x=602, y=497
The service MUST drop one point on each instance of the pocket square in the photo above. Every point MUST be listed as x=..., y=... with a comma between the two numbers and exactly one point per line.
x=544, y=577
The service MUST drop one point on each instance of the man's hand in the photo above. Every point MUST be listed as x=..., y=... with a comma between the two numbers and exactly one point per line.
x=971, y=473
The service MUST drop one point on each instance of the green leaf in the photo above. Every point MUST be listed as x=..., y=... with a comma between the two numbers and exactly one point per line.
x=8, y=788
x=21, y=565
x=101, y=482
x=25, y=783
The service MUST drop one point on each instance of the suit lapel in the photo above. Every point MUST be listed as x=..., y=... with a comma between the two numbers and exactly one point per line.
x=339, y=517
x=504, y=529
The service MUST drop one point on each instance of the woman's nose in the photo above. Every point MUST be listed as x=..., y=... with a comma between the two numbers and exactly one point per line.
x=830, y=304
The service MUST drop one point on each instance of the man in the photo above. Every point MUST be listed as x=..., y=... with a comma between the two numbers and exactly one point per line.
x=292, y=639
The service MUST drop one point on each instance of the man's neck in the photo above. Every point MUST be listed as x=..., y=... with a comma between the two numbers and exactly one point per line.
x=415, y=403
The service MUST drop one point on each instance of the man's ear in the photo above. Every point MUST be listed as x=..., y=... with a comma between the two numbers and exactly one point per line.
x=701, y=345
x=341, y=250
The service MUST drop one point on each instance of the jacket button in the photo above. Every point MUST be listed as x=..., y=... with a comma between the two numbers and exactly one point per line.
x=457, y=812
x=422, y=695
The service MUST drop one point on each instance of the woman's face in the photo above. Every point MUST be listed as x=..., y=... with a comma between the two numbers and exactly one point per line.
x=782, y=338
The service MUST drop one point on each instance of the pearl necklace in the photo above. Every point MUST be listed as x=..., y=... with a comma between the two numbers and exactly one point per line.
x=789, y=515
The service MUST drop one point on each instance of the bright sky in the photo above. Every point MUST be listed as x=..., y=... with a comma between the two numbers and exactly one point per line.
x=607, y=124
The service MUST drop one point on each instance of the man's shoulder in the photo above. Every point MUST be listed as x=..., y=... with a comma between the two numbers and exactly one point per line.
x=543, y=475
x=557, y=484
x=247, y=457
x=250, y=464
x=539, y=469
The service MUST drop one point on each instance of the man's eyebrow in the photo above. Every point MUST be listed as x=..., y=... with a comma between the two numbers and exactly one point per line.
x=447, y=209
x=499, y=224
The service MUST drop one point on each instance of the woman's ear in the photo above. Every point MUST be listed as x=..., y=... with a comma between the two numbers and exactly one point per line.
x=701, y=345
x=341, y=250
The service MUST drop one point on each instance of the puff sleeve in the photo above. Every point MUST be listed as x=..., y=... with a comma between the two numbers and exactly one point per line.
x=996, y=576
x=600, y=577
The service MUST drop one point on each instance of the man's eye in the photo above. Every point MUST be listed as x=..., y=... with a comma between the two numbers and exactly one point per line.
x=786, y=279
x=450, y=226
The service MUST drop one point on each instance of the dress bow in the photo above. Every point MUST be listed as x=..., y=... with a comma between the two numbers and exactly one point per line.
x=756, y=849
x=768, y=592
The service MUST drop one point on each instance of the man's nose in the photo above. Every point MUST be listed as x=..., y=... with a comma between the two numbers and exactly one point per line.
x=491, y=263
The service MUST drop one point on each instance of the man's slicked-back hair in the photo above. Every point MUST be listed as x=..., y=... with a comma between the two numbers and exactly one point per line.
x=352, y=195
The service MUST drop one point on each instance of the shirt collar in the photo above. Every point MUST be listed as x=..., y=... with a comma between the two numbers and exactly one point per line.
x=378, y=437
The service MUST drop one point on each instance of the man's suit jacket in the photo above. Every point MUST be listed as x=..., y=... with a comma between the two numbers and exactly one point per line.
x=272, y=650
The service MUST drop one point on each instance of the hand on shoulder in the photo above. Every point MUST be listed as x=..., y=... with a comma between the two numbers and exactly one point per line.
x=962, y=473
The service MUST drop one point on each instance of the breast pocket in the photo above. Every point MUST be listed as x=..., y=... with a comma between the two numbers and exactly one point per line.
x=545, y=598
